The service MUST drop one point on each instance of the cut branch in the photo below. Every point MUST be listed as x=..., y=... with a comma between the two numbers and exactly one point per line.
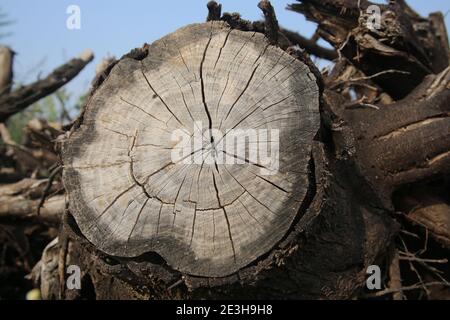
x=204, y=204
x=214, y=11
x=271, y=23
x=402, y=143
x=21, y=201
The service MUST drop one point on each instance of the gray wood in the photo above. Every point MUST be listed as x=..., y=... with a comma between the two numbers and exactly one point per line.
x=127, y=195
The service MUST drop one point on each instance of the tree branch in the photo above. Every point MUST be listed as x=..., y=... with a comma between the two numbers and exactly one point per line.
x=23, y=97
x=309, y=45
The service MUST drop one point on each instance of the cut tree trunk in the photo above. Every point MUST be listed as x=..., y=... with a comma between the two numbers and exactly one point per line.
x=209, y=227
x=217, y=208
x=218, y=224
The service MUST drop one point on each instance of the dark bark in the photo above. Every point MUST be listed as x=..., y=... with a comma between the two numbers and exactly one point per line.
x=395, y=46
x=271, y=23
x=399, y=143
x=214, y=11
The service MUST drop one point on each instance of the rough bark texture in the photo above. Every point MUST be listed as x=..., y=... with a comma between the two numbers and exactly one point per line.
x=405, y=42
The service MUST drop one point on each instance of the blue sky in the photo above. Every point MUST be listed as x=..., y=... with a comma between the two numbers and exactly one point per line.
x=109, y=27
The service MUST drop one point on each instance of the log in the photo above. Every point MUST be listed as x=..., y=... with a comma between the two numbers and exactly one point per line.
x=396, y=144
x=222, y=209
x=319, y=243
x=427, y=207
x=20, y=200
x=165, y=229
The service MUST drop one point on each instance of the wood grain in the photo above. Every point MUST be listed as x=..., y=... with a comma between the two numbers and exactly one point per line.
x=205, y=219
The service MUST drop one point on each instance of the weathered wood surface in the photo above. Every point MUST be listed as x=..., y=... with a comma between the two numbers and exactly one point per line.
x=204, y=218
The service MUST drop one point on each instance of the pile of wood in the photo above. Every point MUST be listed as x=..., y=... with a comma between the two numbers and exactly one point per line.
x=363, y=173
x=32, y=197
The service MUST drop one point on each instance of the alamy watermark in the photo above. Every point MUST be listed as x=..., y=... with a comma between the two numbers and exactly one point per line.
x=373, y=22
x=73, y=21
x=73, y=281
x=373, y=281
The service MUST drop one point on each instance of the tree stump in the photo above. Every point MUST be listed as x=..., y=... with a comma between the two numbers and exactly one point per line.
x=198, y=152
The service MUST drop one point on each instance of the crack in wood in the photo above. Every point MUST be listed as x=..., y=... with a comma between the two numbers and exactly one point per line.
x=136, y=221
x=240, y=95
x=111, y=204
x=250, y=193
x=221, y=48
x=141, y=109
x=202, y=86
x=229, y=72
x=160, y=98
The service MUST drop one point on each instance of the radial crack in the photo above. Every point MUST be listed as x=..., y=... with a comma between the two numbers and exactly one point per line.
x=226, y=217
x=221, y=48
x=160, y=98
x=141, y=109
x=137, y=219
x=241, y=94
x=202, y=84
